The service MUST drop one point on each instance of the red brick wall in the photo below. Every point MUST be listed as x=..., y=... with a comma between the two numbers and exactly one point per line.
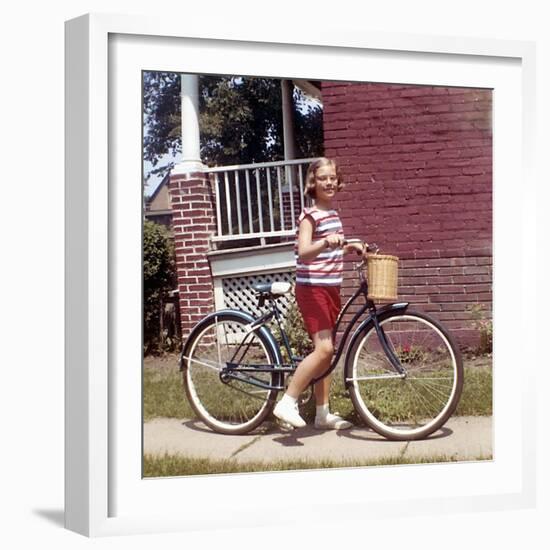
x=193, y=222
x=418, y=165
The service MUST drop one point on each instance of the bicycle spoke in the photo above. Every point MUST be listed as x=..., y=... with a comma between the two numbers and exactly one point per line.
x=430, y=388
x=218, y=344
x=427, y=404
x=205, y=363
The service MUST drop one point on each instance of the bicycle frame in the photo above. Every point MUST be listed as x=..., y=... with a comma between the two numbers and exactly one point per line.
x=232, y=369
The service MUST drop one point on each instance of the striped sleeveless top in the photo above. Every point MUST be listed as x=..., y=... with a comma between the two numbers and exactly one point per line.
x=327, y=268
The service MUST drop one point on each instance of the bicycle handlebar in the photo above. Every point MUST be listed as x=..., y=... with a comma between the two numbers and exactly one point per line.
x=373, y=247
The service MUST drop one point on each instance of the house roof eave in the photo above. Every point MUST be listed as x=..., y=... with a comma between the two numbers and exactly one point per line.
x=309, y=87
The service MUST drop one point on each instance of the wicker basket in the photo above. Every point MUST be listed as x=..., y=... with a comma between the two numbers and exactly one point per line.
x=382, y=277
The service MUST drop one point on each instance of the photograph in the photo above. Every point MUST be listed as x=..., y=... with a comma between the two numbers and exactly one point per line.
x=280, y=281
x=317, y=274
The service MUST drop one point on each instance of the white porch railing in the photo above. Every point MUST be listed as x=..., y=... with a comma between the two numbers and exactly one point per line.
x=258, y=200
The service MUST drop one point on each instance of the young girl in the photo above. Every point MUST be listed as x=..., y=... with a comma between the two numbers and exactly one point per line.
x=319, y=258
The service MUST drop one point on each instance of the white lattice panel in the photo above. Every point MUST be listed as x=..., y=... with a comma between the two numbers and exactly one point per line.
x=238, y=292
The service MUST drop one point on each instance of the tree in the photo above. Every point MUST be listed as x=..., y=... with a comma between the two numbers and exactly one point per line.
x=240, y=120
x=308, y=127
x=161, y=103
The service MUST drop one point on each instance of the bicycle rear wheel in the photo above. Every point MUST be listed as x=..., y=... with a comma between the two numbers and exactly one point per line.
x=225, y=404
x=415, y=404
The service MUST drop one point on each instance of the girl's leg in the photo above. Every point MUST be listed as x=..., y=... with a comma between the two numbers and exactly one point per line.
x=317, y=362
x=323, y=417
x=314, y=365
x=321, y=390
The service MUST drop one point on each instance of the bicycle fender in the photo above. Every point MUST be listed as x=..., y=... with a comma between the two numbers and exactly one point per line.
x=397, y=307
x=244, y=316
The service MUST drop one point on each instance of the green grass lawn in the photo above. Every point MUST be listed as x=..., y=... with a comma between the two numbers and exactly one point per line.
x=176, y=465
x=163, y=394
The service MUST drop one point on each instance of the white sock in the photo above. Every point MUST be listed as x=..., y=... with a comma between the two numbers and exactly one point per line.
x=321, y=411
x=288, y=400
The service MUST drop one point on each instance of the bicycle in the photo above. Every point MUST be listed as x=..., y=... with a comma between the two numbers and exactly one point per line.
x=402, y=368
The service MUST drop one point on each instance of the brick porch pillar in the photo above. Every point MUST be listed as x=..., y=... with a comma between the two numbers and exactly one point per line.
x=193, y=222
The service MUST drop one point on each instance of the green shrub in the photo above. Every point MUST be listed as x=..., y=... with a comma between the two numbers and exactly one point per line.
x=159, y=278
x=484, y=326
x=299, y=340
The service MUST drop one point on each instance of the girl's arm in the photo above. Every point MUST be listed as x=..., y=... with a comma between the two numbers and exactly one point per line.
x=308, y=250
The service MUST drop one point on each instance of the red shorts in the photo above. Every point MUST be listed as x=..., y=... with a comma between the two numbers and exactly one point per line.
x=319, y=306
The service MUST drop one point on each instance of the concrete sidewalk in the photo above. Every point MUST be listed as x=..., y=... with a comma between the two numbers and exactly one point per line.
x=462, y=438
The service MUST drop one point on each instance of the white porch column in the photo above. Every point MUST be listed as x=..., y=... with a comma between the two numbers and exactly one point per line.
x=190, y=133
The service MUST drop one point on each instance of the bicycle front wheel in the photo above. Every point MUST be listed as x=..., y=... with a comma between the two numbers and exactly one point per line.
x=414, y=404
x=229, y=402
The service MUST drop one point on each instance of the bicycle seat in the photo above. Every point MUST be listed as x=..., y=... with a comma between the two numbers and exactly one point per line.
x=274, y=289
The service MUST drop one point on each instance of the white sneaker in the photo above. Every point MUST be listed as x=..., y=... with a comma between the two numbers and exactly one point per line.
x=289, y=414
x=332, y=422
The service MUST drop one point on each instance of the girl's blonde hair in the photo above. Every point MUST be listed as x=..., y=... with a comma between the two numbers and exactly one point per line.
x=309, y=190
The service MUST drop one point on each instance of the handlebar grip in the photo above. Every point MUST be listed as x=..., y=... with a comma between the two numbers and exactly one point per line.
x=353, y=241
x=373, y=247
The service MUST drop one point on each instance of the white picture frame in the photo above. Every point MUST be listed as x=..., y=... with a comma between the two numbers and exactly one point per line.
x=103, y=413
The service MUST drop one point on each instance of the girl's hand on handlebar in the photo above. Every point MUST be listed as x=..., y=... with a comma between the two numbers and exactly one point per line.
x=334, y=240
x=358, y=248
x=355, y=245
